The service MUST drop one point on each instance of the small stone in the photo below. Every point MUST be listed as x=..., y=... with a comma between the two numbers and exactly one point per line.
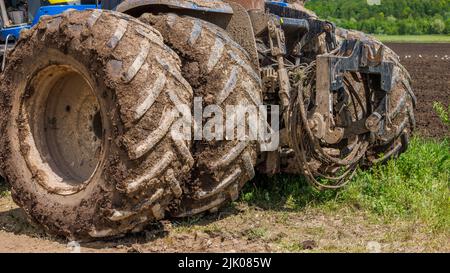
x=309, y=244
x=135, y=249
x=373, y=247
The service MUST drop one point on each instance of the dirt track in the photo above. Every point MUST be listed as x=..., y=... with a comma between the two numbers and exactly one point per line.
x=238, y=228
x=429, y=66
x=241, y=228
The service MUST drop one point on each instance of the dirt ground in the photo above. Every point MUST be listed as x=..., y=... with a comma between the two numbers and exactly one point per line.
x=429, y=66
x=240, y=228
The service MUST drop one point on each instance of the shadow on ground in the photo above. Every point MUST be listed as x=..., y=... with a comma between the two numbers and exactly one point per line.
x=14, y=220
x=289, y=193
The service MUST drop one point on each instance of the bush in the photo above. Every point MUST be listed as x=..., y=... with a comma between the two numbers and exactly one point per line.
x=447, y=25
x=437, y=26
x=391, y=17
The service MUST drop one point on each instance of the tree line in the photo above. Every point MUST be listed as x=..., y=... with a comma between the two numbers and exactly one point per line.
x=392, y=17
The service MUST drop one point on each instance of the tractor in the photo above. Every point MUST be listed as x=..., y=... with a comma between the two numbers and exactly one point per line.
x=16, y=15
x=93, y=96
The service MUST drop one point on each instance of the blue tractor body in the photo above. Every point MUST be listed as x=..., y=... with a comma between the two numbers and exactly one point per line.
x=57, y=9
x=51, y=9
x=14, y=31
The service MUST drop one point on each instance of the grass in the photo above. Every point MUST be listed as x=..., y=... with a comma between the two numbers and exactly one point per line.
x=3, y=188
x=414, y=187
x=414, y=38
x=255, y=233
x=444, y=114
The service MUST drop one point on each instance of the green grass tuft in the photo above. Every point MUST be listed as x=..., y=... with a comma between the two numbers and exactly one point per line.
x=443, y=114
x=413, y=187
x=283, y=192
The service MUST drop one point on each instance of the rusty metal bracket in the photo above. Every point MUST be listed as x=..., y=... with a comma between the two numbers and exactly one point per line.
x=352, y=56
x=358, y=56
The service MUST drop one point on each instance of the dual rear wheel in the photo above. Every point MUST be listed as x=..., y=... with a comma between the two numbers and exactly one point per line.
x=89, y=142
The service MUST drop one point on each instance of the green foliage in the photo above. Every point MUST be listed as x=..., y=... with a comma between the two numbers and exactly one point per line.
x=413, y=187
x=443, y=114
x=255, y=233
x=286, y=192
x=437, y=26
x=413, y=17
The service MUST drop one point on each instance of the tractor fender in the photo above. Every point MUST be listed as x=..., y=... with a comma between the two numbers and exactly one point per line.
x=216, y=6
x=227, y=14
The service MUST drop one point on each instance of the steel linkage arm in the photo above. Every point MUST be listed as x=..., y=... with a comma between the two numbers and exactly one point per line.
x=359, y=56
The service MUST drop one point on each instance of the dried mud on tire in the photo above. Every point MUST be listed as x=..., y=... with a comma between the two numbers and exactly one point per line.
x=221, y=73
x=136, y=80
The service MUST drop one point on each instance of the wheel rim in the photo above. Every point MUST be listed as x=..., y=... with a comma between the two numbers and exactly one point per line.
x=65, y=126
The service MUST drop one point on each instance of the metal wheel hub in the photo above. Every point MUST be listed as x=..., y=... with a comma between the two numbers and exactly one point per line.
x=66, y=127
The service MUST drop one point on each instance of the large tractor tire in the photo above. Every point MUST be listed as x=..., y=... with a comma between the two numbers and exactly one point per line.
x=359, y=99
x=400, y=121
x=221, y=73
x=400, y=104
x=88, y=105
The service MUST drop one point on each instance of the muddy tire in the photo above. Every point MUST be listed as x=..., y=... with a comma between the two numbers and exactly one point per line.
x=400, y=123
x=221, y=73
x=86, y=133
x=401, y=103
